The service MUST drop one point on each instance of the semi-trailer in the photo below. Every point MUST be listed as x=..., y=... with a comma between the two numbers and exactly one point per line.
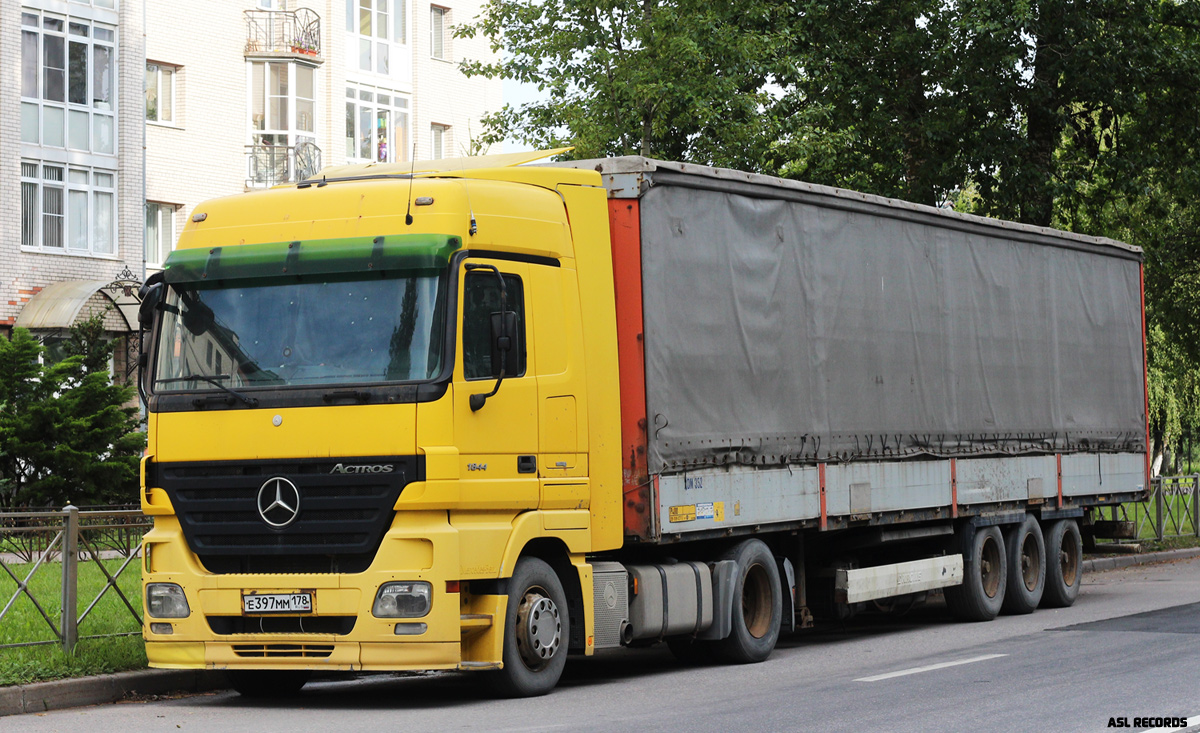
x=482, y=414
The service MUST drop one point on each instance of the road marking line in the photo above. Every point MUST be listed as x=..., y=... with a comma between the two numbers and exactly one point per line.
x=928, y=668
x=1192, y=726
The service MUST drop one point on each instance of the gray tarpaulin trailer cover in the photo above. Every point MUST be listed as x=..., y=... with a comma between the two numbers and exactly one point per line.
x=792, y=323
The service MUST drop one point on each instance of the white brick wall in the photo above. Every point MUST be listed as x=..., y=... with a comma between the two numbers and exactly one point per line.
x=22, y=274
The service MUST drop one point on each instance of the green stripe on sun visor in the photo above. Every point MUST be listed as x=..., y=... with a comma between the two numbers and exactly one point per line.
x=375, y=255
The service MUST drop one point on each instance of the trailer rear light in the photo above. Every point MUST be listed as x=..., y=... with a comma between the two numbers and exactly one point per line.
x=166, y=600
x=411, y=599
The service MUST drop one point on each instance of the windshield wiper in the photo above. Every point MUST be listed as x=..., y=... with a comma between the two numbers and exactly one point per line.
x=214, y=381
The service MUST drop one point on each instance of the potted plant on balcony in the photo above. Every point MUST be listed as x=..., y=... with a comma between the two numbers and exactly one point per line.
x=304, y=46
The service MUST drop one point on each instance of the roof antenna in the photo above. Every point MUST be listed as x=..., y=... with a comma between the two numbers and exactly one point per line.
x=467, y=186
x=411, y=174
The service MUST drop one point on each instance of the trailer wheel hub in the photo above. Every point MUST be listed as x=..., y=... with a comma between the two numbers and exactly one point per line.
x=539, y=629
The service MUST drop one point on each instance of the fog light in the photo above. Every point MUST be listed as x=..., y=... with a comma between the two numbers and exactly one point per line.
x=411, y=629
x=159, y=628
x=166, y=600
x=402, y=600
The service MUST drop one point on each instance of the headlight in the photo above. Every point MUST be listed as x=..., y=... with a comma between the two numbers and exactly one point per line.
x=403, y=600
x=166, y=600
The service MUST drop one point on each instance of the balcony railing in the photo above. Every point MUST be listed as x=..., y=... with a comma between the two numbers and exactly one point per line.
x=271, y=165
x=271, y=32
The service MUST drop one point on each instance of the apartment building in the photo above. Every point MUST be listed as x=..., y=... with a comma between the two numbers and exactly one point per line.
x=253, y=93
x=70, y=164
x=117, y=118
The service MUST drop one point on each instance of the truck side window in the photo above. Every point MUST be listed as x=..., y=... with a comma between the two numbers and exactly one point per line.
x=481, y=299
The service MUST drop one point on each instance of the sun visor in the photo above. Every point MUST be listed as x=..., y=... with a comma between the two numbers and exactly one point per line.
x=359, y=255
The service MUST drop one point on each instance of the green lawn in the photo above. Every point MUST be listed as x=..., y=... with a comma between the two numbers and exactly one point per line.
x=23, y=623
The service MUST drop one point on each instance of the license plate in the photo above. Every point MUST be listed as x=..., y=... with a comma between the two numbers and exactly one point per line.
x=277, y=603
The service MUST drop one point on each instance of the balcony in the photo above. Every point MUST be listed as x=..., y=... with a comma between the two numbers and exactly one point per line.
x=271, y=165
x=284, y=33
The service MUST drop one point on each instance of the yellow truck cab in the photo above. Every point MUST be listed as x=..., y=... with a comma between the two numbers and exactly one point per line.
x=343, y=472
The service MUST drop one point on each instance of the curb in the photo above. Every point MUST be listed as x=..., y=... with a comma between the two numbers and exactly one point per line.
x=1098, y=564
x=39, y=697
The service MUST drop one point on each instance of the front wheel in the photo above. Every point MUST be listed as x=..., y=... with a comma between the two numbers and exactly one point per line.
x=757, y=605
x=536, y=628
x=267, y=683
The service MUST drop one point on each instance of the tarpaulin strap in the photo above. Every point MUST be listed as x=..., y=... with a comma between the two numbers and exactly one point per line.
x=821, y=478
x=1058, y=460
x=954, y=488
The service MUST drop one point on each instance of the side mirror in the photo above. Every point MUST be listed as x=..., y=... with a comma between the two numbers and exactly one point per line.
x=150, y=294
x=506, y=349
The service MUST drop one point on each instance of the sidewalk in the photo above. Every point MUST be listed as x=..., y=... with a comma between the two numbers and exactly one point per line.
x=42, y=696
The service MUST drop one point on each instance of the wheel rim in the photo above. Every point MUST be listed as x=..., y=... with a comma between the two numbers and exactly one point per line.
x=989, y=566
x=539, y=629
x=1031, y=562
x=756, y=601
x=1068, y=559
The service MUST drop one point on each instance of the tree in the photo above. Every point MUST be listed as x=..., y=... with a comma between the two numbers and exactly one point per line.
x=680, y=80
x=66, y=431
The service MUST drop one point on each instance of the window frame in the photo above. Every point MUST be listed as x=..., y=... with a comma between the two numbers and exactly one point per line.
x=157, y=68
x=486, y=277
x=399, y=133
x=97, y=196
x=163, y=213
x=439, y=48
x=98, y=40
x=439, y=135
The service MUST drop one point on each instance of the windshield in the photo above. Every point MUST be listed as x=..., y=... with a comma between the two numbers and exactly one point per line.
x=327, y=331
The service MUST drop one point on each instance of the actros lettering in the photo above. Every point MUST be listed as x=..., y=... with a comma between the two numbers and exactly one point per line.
x=364, y=468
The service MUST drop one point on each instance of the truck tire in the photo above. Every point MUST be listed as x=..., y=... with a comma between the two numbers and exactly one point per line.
x=981, y=594
x=757, y=605
x=267, y=683
x=1064, y=563
x=1026, y=550
x=536, y=628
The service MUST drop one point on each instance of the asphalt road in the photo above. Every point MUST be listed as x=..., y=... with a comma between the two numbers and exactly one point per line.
x=1127, y=649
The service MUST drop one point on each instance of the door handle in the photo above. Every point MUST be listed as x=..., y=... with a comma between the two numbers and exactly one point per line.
x=526, y=464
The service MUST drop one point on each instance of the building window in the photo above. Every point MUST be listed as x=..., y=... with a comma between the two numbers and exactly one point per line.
x=67, y=208
x=438, y=20
x=283, y=116
x=440, y=141
x=376, y=126
x=374, y=25
x=160, y=233
x=160, y=92
x=68, y=83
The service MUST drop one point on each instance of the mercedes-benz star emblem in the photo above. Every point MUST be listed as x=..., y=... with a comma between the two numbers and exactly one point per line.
x=279, y=502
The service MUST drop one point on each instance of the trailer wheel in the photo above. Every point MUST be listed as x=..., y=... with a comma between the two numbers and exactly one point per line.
x=1026, y=552
x=985, y=571
x=1064, y=564
x=757, y=605
x=535, y=632
x=267, y=683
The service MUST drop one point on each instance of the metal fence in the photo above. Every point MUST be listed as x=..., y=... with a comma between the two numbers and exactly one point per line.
x=1171, y=510
x=66, y=539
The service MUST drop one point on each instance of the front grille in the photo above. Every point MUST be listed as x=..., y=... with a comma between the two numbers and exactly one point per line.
x=340, y=522
x=229, y=625
x=317, y=651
